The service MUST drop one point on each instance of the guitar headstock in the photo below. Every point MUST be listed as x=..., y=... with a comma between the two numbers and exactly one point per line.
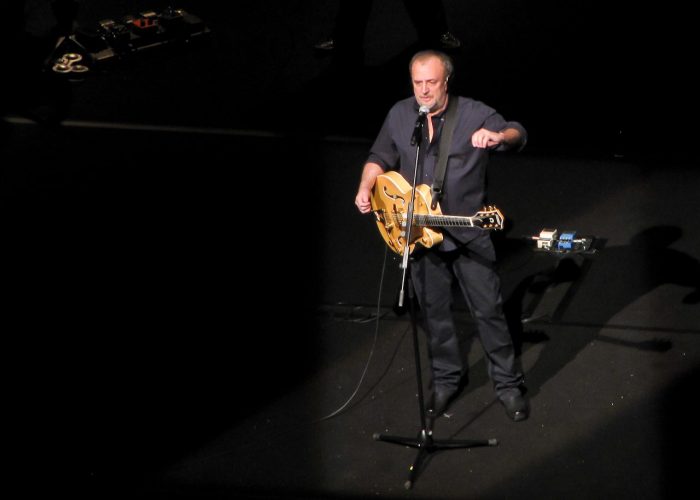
x=490, y=217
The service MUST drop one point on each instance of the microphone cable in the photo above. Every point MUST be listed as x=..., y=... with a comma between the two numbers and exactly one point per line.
x=371, y=351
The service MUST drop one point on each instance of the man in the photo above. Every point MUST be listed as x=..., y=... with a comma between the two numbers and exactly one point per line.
x=465, y=254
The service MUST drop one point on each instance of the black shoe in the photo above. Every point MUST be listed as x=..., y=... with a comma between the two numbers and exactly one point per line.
x=515, y=404
x=449, y=41
x=439, y=401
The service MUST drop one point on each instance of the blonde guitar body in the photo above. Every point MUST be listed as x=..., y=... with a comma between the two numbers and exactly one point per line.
x=390, y=200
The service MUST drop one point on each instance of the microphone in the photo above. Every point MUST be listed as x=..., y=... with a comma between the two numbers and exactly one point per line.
x=418, y=129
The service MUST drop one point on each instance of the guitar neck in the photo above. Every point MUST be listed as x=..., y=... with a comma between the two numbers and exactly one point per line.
x=447, y=221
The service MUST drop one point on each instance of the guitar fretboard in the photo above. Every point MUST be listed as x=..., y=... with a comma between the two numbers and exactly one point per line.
x=446, y=220
x=440, y=220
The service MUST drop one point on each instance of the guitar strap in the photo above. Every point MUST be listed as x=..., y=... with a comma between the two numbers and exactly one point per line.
x=443, y=151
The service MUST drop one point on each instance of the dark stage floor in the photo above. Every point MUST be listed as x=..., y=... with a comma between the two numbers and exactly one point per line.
x=194, y=307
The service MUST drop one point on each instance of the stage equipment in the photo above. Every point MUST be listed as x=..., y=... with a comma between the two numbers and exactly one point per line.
x=551, y=240
x=87, y=49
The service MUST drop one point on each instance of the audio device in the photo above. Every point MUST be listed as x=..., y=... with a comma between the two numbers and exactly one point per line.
x=552, y=240
x=88, y=48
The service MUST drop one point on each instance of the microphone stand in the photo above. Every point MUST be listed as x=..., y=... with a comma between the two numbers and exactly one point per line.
x=424, y=442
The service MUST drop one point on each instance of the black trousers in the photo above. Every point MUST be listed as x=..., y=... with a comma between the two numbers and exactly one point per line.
x=433, y=273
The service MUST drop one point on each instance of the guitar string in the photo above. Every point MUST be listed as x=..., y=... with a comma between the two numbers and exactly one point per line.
x=448, y=220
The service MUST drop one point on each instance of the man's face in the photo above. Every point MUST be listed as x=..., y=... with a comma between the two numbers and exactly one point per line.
x=429, y=83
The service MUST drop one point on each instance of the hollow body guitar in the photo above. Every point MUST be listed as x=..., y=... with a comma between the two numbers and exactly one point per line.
x=390, y=199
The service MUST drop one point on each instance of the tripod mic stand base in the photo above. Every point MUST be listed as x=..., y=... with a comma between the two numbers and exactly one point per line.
x=425, y=444
x=424, y=441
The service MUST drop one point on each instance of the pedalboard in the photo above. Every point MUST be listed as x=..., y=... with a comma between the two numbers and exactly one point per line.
x=112, y=39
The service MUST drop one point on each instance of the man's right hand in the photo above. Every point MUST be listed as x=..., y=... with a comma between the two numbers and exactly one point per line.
x=364, y=192
x=362, y=200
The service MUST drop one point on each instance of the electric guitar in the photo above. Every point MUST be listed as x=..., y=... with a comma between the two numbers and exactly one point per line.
x=391, y=196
